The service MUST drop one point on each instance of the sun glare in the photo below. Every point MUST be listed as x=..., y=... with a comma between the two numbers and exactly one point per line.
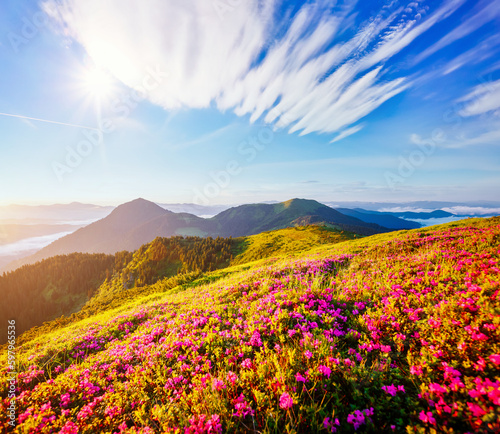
x=98, y=83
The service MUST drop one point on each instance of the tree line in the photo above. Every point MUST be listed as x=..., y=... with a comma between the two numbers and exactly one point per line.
x=62, y=285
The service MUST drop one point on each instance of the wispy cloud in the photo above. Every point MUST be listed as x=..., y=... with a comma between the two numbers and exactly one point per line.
x=205, y=138
x=483, y=51
x=486, y=138
x=348, y=132
x=321, y=71
x=483, y=98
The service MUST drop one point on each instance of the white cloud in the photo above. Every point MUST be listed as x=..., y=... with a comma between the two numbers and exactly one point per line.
x=476, y=210
x=30, y=245
x=483, y=98
x=487, y=138
x=297, y=73
x=348, y=132
x=484, y=50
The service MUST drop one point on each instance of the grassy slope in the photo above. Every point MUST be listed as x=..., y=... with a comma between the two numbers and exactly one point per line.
x=288, y=241
x=111, y=294
x=416, y=309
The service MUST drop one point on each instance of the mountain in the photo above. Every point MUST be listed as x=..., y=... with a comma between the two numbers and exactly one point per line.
x=135, y=223
x=438, y=214
x=388, y=220
x=197, y=210
x=256, y=218
x=415, y=206
x=108, y=235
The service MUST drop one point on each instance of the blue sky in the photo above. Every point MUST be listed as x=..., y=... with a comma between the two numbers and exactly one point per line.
x=228, y=101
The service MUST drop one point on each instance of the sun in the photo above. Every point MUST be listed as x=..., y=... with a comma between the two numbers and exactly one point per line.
x=98, y=83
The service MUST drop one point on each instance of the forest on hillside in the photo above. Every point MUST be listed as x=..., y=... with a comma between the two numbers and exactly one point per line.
x=50, y=288
x=167, y=257
x=61, y=285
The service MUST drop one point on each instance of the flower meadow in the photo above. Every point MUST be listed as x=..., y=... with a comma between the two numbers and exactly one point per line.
x=399, y=336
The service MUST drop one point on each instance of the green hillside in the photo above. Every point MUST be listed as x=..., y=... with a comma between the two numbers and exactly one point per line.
x=257, y=218
x=288, y=241
x=397, y=332
x=78, y=285
x=46, y=290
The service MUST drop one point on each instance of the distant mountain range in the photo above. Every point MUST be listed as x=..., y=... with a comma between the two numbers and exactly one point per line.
x=382, y=219
x=138, y=222
x=473, y=208
x=135, y=223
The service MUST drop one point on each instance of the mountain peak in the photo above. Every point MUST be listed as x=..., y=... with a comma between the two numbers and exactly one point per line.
x=306, y=204
x=137, y=210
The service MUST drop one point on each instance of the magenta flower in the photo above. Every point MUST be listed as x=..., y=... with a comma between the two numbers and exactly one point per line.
x=247, y=363
x=325, y=370
x=299, y=377
x=495, y=358
x=390, y=390
x=330, y=425
x=65, y=399
x=416, y=370
x=218, y=384
x=242, y=407
x=436, y=388
x=286, y=401
x=232, y=377
x=427, y=417
x=69, y=428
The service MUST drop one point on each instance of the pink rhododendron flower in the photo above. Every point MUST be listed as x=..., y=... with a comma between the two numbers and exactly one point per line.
x=427, y=417
x=232, y=378
x=416, y=370
x=325, y=370
x=476, y=410
x=286, y=401
x=495, y=358
x=69, y=428
x=218, y=384
x=242, y=407
x=391, y=390
x=299, y=377
x=247, y=363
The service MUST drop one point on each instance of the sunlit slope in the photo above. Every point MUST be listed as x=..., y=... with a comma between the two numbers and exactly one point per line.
x=289, y=241
x=391, y=333
x=174, y=261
